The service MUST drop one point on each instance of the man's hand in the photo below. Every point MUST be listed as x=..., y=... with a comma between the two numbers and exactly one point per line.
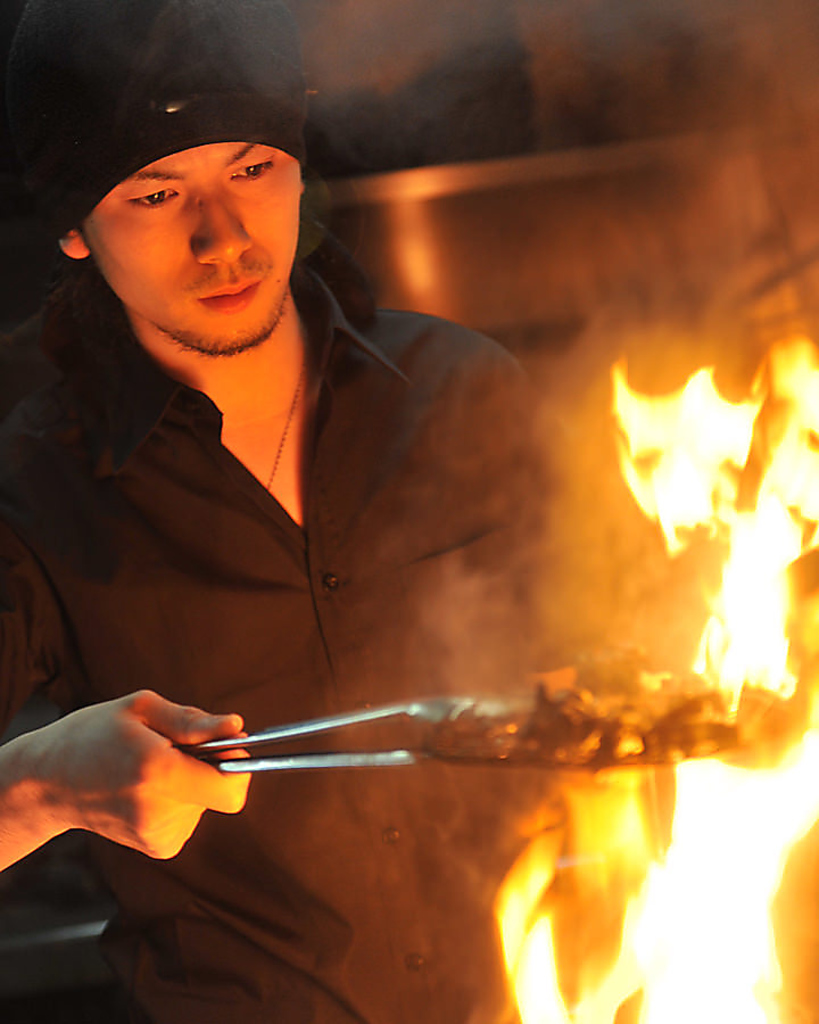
x=114, y=769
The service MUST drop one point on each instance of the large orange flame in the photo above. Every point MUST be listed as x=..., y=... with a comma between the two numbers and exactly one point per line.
x=679, y=930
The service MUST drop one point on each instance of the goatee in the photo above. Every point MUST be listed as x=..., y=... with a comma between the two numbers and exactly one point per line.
x=225, y=347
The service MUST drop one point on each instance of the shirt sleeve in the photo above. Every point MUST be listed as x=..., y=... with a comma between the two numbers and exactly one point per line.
x=35, y=651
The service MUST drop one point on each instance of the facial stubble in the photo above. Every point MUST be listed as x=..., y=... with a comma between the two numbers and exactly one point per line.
x=226, y=347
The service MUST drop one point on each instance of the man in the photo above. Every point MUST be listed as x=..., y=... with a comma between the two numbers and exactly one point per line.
x=235, y=498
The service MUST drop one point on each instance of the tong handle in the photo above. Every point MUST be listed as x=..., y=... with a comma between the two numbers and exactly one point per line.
x=429, y=710
x=338, y=759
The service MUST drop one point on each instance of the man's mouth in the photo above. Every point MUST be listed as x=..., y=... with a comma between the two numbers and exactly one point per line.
x=231, y=298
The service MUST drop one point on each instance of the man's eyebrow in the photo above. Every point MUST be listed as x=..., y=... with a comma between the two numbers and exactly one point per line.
x=148, y=175
x=240, y=154
x=156, y=175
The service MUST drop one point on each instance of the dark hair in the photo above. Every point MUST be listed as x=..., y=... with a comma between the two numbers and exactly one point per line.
x=83, y=317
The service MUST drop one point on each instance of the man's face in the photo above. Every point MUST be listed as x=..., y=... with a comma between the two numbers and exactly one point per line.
x=199, y=245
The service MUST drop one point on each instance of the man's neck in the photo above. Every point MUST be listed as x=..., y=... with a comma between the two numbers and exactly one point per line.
x=265, y=395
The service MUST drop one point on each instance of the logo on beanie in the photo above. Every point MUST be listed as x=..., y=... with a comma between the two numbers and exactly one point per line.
x=171, y=106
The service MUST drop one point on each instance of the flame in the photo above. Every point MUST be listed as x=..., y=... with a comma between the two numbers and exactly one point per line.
x=681, y=454
x=704, y=936
x=745, y=640
x=614, y=920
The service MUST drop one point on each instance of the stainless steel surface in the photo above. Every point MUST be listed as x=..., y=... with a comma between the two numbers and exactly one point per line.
x=530, y=249
x=440, y=181
x=340, y=759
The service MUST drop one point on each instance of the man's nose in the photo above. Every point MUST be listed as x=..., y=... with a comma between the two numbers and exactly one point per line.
x=219, y=234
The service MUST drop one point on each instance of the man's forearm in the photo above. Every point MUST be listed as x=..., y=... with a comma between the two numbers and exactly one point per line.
x=28, y=814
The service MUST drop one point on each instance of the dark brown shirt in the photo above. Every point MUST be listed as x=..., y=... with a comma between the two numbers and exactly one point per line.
x=138, y=552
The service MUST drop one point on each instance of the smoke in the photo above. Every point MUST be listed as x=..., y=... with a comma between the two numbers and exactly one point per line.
x=702, y=262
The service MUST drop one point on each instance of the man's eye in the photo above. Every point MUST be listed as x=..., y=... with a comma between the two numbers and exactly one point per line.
x=255, y=170
x=155, y=198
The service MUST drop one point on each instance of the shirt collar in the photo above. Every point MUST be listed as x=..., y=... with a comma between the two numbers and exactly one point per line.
x=136, y=394
x=326, y=325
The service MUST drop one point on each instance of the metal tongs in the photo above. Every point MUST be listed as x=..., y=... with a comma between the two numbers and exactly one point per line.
x=431, y=711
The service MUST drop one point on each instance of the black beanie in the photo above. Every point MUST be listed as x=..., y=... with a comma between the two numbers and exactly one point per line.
x=97, y=89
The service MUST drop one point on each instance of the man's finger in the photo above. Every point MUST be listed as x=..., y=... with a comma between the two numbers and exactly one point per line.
x=181, y=724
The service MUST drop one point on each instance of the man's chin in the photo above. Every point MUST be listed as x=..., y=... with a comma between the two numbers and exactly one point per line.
x=225, y=345
x=218, y=347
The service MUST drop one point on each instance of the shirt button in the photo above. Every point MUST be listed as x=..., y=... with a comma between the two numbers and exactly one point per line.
x=329, y=582
x=390, y=836
x=414, y=961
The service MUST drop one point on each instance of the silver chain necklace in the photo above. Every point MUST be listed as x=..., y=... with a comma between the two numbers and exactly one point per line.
x=286, y=431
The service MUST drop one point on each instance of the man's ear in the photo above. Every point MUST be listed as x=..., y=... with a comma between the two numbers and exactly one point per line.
x=73, y=245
